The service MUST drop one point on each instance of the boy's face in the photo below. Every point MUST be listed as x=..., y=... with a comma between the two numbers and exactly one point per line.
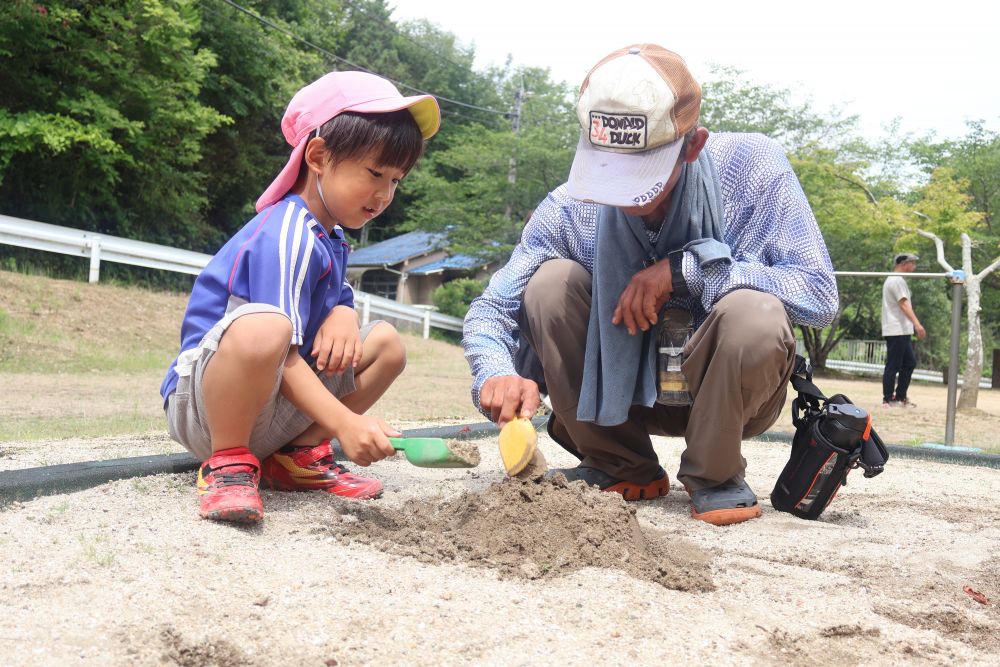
x=355, y=191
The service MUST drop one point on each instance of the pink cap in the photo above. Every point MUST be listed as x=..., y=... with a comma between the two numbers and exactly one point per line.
x=330, y=95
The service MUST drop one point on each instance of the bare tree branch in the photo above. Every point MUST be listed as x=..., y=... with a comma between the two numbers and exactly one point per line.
x=989, y=269
x=937, y=244
x=868, y=192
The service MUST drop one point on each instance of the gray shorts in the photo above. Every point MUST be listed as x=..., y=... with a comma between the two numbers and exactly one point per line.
x=278, y=422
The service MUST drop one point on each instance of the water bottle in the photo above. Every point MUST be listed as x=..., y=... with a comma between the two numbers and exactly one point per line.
x=675, y=332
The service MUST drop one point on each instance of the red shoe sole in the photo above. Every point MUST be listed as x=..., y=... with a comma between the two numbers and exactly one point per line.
x=234, y=515
x=633, y=491
x=728, y=516
x=274, y=477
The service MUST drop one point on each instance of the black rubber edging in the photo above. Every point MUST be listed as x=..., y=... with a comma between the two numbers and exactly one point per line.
x=29, y=483
x=913, y=452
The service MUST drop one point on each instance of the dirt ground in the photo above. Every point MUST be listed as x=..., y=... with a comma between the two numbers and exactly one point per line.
x=461, y=567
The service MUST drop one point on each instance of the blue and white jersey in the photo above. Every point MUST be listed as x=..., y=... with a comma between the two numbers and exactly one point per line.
x=775, y=241
x=282, y=257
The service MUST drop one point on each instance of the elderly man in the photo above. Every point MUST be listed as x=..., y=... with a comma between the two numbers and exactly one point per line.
x=657, y=216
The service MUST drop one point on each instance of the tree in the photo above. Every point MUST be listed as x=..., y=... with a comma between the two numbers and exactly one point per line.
x=732, y=103
x=464, y=188
x=857, y=231
x=100, y=124
x=943, y=206
x=829, y=162
x=244, y=155
x=975, y=158
x=974, y=352
x=453, y=298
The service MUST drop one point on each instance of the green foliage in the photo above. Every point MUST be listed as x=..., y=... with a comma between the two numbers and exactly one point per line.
x=465, y=188
x=259, y=69
x=453, y=298
x=942, y=206
x=732, y=103
x=160, y=120
x=101, y=125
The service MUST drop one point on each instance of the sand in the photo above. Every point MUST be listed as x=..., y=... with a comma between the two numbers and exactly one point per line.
x=467, y=567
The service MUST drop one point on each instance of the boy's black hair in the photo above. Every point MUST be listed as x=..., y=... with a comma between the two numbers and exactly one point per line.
x=394, y=136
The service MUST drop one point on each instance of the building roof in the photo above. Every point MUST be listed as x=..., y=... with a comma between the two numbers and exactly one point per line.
x=397, y=249
x=450, y=262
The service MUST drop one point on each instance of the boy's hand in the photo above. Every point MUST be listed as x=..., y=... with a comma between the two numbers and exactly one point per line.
x=338, y=342
x=366, y=439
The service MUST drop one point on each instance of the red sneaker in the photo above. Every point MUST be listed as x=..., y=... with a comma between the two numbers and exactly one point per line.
x=227, y=484
x=304, y=468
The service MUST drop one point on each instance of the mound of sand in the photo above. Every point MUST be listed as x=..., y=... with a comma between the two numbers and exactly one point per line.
x=535, y=529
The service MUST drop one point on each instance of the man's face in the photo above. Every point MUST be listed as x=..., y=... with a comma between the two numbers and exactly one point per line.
x=908, y=266
x=657, y=208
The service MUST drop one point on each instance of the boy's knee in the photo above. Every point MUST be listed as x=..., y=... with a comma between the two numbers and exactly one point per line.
x=389, y=346
x=259, y=337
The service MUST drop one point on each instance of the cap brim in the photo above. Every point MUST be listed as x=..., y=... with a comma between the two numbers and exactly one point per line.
x=286, y=178
x=424, y=108
x=620, y=179
x=425, y=112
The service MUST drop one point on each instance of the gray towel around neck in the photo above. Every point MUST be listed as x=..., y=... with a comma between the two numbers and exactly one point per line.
x=620, y=370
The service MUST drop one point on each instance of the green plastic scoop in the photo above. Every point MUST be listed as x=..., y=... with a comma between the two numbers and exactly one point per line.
x=436, y=453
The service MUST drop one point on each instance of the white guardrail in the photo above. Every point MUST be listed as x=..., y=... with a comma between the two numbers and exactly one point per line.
x=863, y=368
x=98, y=248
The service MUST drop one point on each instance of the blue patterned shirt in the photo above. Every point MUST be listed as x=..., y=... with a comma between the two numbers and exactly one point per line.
x=776, y=247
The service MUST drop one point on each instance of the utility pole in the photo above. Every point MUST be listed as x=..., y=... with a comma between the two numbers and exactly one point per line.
x=516, y=127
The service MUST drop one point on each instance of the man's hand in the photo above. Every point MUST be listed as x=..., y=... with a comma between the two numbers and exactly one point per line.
x=644, y=297
x=338, y=342
x=508, y=397
x=918, y=329
x=366, y=439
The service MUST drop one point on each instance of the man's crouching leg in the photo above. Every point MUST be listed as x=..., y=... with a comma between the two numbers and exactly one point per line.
x=554, y=319
x=738, y=367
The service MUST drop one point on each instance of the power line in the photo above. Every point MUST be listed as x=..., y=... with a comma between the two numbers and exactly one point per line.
x=289, y=33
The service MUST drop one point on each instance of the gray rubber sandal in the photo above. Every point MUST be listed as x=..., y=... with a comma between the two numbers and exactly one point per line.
x=725, y=504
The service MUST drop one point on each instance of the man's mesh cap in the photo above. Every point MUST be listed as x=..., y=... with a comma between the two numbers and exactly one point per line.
x=635, y=107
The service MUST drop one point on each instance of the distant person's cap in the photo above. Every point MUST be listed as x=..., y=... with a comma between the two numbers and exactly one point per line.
x=635, y=107
x=904, y=257
x=334, y=94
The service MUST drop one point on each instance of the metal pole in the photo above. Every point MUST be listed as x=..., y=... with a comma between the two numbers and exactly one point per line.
x=956, y=323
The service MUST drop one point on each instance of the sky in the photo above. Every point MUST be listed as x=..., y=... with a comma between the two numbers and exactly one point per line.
x=932, y=65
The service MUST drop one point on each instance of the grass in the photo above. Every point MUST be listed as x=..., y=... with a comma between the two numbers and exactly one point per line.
x=86, y=361
x=97, y=549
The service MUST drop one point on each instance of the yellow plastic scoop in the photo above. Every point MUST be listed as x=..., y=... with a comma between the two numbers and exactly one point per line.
x=519, y=447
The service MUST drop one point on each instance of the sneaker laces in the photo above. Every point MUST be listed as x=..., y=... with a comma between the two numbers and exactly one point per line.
x=332, y=464
x=235, y=475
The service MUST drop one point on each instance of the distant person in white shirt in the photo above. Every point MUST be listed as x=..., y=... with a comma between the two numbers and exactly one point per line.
x=899, y=323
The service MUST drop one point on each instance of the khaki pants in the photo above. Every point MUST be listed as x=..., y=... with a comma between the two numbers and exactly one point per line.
x=737, y=366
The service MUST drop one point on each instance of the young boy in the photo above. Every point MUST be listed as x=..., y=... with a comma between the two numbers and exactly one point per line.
x=272, y=363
